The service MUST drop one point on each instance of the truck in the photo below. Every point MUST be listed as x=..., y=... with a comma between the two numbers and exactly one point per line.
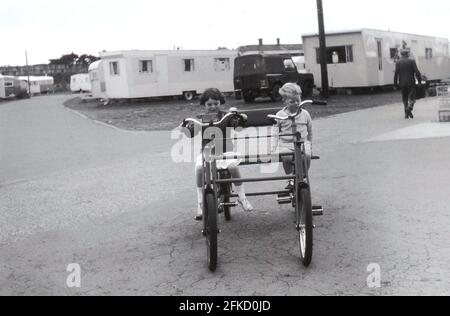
x=262, y=75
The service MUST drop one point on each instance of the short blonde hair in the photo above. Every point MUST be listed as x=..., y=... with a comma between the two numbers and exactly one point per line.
x=291, y=90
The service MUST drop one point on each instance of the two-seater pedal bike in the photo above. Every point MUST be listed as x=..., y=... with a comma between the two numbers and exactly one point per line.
x=217, y=184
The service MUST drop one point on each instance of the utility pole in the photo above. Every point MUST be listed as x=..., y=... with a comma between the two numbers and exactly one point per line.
x=28, y=73
x=323, y=51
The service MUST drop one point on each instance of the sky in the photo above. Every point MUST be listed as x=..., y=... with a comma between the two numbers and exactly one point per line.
x=50, y=28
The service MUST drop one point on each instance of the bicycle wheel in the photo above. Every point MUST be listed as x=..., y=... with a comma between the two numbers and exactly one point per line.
x=211, y=230
x=304, y=225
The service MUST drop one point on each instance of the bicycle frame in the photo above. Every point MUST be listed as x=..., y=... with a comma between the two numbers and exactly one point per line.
x=301, y=177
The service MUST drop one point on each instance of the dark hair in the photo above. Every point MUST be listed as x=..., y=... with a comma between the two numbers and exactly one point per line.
x=213, y=94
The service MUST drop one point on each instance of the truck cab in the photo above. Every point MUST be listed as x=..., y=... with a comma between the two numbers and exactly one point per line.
x=262, y=75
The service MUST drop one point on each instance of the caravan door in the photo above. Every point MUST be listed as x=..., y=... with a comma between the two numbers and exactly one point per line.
x=162, y=75
x=381, y=80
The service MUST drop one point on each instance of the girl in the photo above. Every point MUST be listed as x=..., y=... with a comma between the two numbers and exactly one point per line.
x=212, y=99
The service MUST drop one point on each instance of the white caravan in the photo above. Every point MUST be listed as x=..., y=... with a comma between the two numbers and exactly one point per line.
x=366, y=58
x=80, y=83
x=97, y=79
x=11, y=87
x=143, y=74
x=6, y=86
x=39, y=84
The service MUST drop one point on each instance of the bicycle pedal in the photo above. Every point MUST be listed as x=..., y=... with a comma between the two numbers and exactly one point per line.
x=284, y=200
x=231, y=204
x=317, y=210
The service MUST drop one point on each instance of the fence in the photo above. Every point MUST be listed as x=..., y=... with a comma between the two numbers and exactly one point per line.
x=443, y=92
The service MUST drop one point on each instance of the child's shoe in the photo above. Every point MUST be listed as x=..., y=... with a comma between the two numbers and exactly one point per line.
x=199, y=216
x=245, y=203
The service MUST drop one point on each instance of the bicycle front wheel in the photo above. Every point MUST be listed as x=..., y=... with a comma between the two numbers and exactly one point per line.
x=211, y=231
x=304, y=225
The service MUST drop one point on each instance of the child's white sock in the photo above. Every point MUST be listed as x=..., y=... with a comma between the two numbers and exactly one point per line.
x=199, y=195
x=240, y=192
x=199, y=201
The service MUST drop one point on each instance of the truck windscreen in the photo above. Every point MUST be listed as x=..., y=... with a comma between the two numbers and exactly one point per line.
x=249, y=66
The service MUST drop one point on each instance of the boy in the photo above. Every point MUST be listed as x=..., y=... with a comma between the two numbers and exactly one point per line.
x=291, y=94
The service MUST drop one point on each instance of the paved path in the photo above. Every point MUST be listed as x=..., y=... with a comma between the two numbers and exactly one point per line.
x=74, y=191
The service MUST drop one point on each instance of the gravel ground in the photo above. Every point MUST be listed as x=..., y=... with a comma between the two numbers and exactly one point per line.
x=167, y=114
x=115, y=202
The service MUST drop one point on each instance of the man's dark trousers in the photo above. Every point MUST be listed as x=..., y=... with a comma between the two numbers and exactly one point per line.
x=409, y=98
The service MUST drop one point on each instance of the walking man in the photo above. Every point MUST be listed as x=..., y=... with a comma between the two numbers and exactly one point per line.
x=406, y=72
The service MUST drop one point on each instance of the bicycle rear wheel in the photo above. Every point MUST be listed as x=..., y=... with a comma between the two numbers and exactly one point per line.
x=304, y=225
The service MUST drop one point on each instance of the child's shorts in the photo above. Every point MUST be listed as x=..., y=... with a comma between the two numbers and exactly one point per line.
x=289, y=148
x=288, y=160
x=222, y=164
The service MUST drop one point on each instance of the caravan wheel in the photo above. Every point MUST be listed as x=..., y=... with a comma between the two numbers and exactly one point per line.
x=189, y=95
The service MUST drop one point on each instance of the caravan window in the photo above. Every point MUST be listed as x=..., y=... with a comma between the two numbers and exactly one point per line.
x=337, y=54
x=428, y=53
x=145, y=66
x=188, y=65
x=222, y=64
x=394, y=53
x=9, y=84
x=114, y=68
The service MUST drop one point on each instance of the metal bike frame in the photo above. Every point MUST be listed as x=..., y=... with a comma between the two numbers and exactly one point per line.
x=211, y=181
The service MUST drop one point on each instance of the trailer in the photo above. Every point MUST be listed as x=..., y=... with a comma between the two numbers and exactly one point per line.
x=39, y=84
x=145, y=74
x=97, y=79
x=367, y=58
x=80, y=83
x=11, y=87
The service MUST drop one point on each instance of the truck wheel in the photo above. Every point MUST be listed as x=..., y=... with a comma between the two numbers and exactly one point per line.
x=275, y=94
x=249, y=97
x=307, y=90
x=189, y=95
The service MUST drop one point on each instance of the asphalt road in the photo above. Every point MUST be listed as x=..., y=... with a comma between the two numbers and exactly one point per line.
x=76, y=191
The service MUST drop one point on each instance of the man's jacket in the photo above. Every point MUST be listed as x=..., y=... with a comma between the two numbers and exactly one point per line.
x=406, y=72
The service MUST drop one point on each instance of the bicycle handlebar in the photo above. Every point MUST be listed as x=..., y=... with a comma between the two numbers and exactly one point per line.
x=213, y=124
x=292, y=116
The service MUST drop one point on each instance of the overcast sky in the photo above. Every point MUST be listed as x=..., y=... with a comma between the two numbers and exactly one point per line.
x=50, y=28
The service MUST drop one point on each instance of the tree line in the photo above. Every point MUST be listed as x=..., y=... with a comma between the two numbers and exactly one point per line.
x=74, y=60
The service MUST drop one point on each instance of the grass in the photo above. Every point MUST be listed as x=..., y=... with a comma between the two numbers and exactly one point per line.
x=168, y=114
